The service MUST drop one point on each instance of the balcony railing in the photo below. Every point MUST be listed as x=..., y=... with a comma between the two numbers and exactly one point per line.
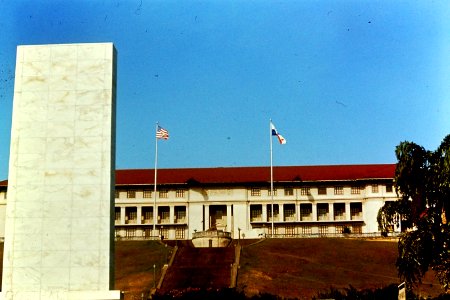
x=180, y=220
x=211, y=234
x=339, y=217
x=322, y=217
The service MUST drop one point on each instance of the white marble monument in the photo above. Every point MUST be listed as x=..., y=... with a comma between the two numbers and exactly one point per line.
x=59, y=229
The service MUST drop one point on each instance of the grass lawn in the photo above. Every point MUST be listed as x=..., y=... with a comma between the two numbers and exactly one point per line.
x=289, y=268
x=301, y=268
x=134, y=266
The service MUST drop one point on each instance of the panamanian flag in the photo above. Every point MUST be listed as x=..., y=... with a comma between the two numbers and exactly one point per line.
x=281, y=139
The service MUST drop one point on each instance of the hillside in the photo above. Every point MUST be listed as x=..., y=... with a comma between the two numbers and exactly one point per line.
x=285, y=267
x=301, y=267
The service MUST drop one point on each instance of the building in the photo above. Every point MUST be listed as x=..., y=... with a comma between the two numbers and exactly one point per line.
x=307, y=201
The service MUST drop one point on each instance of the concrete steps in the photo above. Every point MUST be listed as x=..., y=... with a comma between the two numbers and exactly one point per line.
x=199, y=268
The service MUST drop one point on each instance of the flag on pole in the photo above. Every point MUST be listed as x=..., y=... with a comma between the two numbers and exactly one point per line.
x=281, y=139
x=162, y=133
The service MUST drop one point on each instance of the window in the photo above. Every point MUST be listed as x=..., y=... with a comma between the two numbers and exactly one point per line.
x=339, y=229
x=306, y=212
x=180, y=214
x=179, y=193
x=306, y=230
x=117, y=194
x=163, y=214
x=131, y=194
x=322, y=211
x=275, y=230
x=180, y=233
x=164, y=232
x=339, y=211
x=147, y=232
x=147, y=194
x=288, y=191
x=163, y=193
x=323, y=230
x=255, y=192
x=130, y=232
x=356, y=190
x=357, y=229
x=255, y=213
x=147, y=215
x=289, y=212
x=339, y=190
x=374, y=188
x=290, y=230
x=356, y=211
x=274, y=192
x=322, y=190
x=389, y=188
x=305, y=191
x=130, y=215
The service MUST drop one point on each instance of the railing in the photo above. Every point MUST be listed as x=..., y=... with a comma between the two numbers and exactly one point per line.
x=331, y=235
x=180, y=221
x=357, y=218
x=212, y=233
x=136, y=238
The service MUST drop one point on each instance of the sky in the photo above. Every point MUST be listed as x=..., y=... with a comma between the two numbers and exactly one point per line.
x=343, y=81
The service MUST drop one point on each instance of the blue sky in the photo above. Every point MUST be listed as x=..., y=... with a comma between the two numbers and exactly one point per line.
x=343, y=81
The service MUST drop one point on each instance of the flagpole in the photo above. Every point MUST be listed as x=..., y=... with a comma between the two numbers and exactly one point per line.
x=154, y=183
x=271, y=174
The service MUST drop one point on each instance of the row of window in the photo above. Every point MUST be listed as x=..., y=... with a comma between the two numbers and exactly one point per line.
x=256, y=192
x=132, y=232
x=292, y=230
x=131, y=215
x=163, y=193
x=306, y=191
x=306, y=212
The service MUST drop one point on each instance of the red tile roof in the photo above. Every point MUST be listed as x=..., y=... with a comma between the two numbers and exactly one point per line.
x=243, y=175
x=256, y=174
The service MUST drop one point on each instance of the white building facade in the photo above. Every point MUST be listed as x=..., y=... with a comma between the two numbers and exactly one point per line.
x=308, y=201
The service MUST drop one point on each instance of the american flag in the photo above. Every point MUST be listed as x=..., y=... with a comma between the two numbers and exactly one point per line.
x=161, y=133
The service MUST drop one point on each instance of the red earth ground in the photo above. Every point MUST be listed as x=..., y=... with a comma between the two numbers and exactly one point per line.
x=291, y=268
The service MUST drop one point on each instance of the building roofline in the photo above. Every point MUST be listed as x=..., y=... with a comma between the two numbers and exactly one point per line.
x=253, y=175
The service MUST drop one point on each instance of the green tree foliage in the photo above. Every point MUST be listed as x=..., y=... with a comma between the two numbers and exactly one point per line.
x=422, y=180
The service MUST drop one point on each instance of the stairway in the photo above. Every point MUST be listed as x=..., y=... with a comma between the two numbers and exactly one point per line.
x=199, y=268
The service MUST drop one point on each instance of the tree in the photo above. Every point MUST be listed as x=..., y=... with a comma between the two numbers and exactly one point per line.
x=422, y=181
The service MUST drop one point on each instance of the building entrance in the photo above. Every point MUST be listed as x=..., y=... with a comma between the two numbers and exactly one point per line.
x=218, y=217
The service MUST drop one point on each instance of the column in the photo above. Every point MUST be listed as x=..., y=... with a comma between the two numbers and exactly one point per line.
x=314, y=211
x=281, y=212
x=331, y=211
x=122, y=215
x=347, y=211
x=264, y=213
x=171, y=214
x=229, y=227
x=139, y=215
x=64, y=118
x=206, y=217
